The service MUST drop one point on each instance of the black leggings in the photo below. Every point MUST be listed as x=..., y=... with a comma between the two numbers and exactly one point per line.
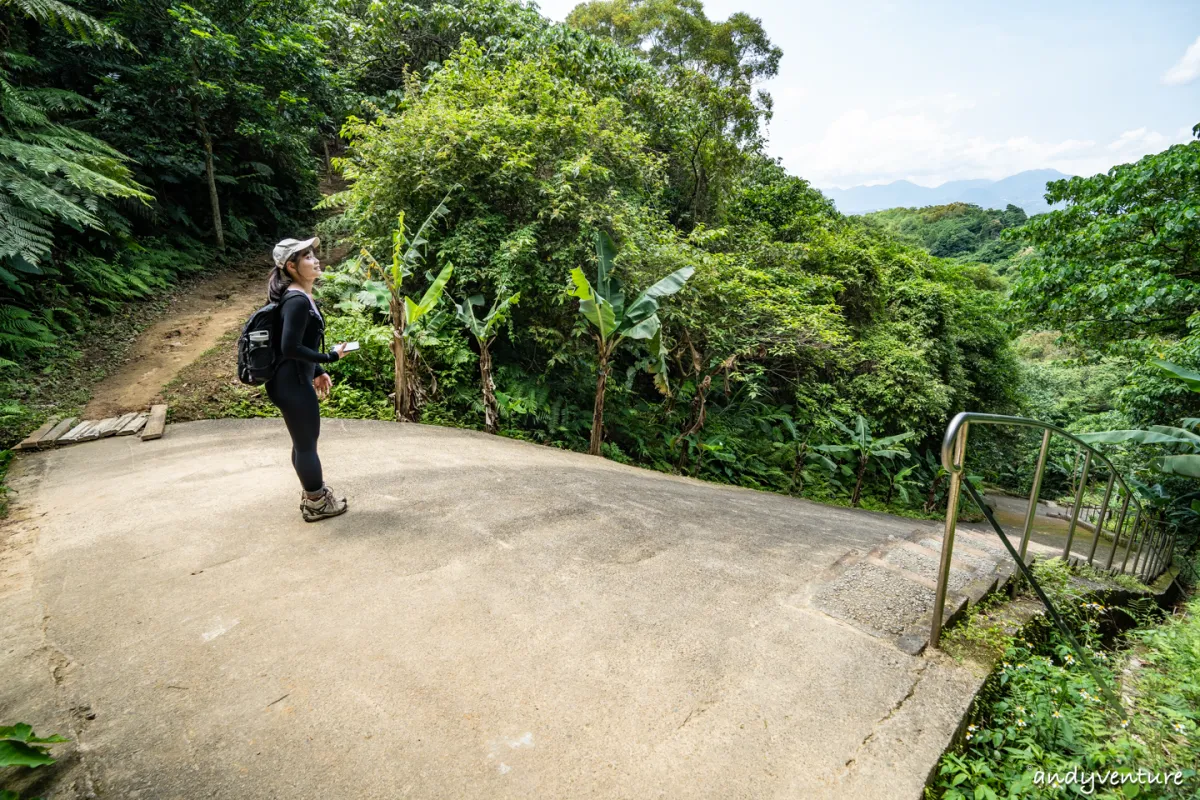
x=294, y=395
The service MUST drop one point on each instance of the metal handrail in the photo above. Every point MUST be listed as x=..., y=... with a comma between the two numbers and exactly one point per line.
x=954, y=445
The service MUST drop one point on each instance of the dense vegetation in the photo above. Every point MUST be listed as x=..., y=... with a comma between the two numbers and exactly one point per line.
x=142, y=143
x=958, y=230
x=1043, y=712
x=640, y=120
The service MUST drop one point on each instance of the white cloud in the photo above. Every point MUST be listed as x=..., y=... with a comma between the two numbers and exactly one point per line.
x=1151, y=141
x=929, y=148
x=1187, y=69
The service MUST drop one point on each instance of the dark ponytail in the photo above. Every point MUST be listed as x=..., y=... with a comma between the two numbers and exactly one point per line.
x=277, y=283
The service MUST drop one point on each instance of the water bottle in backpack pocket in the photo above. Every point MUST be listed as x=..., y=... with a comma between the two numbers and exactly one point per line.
x=258, y=346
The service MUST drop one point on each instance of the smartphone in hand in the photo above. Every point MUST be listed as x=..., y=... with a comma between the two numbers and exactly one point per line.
x=348, y=347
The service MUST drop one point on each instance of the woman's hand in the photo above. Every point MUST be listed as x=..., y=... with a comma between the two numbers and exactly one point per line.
x=323, y=383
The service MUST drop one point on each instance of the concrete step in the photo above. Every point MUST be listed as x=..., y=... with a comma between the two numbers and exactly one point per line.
x=889, y=591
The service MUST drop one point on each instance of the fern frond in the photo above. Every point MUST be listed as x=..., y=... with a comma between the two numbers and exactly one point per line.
x=21, y=332
x=54, y=13
x=27, y=232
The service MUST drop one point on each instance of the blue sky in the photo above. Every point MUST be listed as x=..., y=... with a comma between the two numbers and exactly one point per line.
x=872, y=91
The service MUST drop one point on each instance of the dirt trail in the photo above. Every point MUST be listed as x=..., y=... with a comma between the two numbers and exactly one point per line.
x=195, y=320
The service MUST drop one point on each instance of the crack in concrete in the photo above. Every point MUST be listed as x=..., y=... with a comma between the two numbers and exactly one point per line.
x=895, y=709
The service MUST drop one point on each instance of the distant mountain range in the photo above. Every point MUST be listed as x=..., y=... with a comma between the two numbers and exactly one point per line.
x=1025, y=189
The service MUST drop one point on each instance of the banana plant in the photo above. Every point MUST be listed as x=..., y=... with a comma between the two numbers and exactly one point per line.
x=804, y=459
x=935, y=474
x=898, y=481
x=603, y=305
x=408, y=255
x=862, y=447
x=1183, y=438
x=484, y=331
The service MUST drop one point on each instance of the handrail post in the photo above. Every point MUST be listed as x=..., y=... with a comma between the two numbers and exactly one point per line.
x=1157, y=553
x=1154, y=563
x=952, y=497
x=1139, y=556
x=1087, y=462
x=1133, y=532
x=1149, y=543
x=1164, y=560
x=1117, y=537
x=1034, y=491
x=1112, y=476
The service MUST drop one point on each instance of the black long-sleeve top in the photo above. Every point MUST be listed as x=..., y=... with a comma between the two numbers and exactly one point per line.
x=302, y=333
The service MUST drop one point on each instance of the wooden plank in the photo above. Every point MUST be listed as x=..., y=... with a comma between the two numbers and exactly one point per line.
x=122, y=421
x=56, y=433
x=134, y=425
x=156, y=423
x=31, y=441
x=92, y=432
x=76, y=433
x=107, y=427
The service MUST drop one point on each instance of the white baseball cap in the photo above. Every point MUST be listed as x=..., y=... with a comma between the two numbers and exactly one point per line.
x=289, y=247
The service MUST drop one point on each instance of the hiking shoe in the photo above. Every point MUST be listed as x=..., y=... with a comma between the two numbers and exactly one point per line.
x=323, y=507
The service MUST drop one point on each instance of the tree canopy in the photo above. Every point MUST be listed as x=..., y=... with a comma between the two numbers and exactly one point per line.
x=1122, y=259
x=958, y=230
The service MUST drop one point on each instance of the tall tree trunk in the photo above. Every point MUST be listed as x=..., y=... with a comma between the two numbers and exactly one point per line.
x=598, y=412
x=214, y=200
x=491, y=414
x=403, y=397
x=862, y=471
x=328, y=163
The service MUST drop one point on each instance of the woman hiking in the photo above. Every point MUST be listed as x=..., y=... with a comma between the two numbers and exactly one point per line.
x=301, y=381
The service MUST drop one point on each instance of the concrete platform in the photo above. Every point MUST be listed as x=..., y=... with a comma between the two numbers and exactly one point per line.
x=491, y=619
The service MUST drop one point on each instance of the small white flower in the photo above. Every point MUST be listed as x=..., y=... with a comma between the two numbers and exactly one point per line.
x=1055, y=714
x=1178, y=726
x=972, y=728
x=1020, y=723
x=1124, y=723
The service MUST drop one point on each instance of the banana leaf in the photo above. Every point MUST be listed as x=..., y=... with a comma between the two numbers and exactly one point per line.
x=414, y=311
x=1187, y=376
x=1135, y=436
x=646, y=329
x=597, y=310
x=1188, y=465
x=658, y=359
x=646, y=303
x=890, y=440
x=608, y=286
x=465, y=312
x=1182, y=433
